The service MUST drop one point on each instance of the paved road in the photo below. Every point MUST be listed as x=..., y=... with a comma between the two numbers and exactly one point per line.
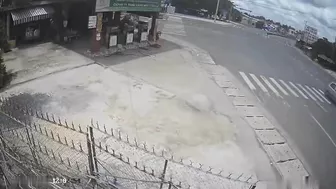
x=285, y=81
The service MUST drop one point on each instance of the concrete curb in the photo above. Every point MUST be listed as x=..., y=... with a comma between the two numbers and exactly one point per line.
x=283, y=158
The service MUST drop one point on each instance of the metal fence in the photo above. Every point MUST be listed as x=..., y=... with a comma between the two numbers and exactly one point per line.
x=95, y=156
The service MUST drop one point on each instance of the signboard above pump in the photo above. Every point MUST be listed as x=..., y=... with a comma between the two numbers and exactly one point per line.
x=128, y=5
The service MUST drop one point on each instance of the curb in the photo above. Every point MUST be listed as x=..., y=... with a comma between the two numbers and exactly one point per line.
x=283, y=158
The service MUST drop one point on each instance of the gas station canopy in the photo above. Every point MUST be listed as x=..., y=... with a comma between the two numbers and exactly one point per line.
x=128, y=5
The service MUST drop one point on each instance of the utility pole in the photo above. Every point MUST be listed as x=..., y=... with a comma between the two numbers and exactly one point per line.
x=216, y=10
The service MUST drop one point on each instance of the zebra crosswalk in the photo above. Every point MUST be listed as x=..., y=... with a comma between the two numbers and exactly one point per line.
x=174, y=26
x=281, y=88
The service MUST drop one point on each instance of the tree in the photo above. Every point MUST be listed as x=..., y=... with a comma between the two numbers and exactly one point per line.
x=4, y=76
x=322, y=46
x=4, y=46
x=236, y=15
x=209, y=5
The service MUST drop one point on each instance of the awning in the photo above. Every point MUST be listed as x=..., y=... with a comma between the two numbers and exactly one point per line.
x=32, y=14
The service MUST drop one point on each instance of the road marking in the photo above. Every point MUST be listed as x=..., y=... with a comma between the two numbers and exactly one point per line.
x=321, y=91
x=279, y=86
x=311, y=96
x=326, y=111
x=259, y=83
x=290, y=89
x=321, y=95
x=299, y=90
x=247, y=81
x=314, y=93
x=319, y=124
x=270, y=86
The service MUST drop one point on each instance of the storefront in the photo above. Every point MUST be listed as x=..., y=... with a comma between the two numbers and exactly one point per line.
x=113, y=29
x=32, y=24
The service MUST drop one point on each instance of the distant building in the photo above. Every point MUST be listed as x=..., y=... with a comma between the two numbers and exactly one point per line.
x=291, y=32
x=250, y=21
x=310, y=35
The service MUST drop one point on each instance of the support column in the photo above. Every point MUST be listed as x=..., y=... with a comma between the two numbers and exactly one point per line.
x=8, y=26
x=153, y=30
x=96, y=33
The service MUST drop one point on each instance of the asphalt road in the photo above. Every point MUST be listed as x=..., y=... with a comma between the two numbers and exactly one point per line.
x=261, y=63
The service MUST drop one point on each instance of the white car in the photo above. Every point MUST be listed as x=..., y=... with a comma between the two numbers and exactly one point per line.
x=331, y=92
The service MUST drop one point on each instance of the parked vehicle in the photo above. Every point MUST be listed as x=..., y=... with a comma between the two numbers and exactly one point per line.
x=331, y=92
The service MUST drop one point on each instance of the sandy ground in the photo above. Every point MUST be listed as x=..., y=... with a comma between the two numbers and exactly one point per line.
x=41, y=60
x=144, y=111
x=162, y=99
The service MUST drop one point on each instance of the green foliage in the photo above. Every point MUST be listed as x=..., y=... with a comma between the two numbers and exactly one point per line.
x=323, y=46
x=3, y=37
x=209, y=5
x=4, y=76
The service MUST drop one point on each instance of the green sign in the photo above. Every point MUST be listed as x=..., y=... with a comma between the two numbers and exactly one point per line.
x=128, y=5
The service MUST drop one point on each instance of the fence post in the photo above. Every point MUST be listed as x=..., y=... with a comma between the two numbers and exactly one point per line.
x=164, y=173
x=93, y=148
x=90, y=155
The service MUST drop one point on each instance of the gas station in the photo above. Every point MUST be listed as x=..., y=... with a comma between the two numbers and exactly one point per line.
x=121, y=23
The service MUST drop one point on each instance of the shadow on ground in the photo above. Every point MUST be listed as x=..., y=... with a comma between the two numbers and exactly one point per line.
x=82, y=45
x=31, y=102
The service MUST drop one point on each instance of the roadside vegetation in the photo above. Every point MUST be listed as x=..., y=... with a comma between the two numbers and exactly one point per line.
x=205, y=8
x=322, y=51
x=4, y=47
x=325, y=53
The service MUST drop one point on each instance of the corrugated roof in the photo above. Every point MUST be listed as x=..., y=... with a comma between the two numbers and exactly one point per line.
x=31, y=14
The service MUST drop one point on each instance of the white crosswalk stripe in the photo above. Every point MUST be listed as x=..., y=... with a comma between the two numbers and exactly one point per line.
x=317, y=96
x=270, y=86
x=248, y=81
x=279, y=86
x=263, y=88
x=289, y=89
x=302, y=94
x=321, y=95
x=311, y=96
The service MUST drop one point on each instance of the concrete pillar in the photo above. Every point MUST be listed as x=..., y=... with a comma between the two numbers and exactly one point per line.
x=96, y=33
x=8, y=25
x=153, y=29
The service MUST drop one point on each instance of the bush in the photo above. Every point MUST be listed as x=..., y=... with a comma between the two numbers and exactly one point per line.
x=4, y=47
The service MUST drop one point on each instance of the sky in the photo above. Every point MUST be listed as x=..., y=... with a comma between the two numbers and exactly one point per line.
x=320, y=14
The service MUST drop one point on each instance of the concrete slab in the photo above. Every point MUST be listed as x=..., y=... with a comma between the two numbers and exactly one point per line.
x=261, y=185
x=214, y=70
x=41, y=60
x=280, y=152
x=234, y=92
x=204, y=58
x=223, y=82
x=260, y=123
x=249, y=111
x=292, y=169
x=270, y=137
x=242, y=101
